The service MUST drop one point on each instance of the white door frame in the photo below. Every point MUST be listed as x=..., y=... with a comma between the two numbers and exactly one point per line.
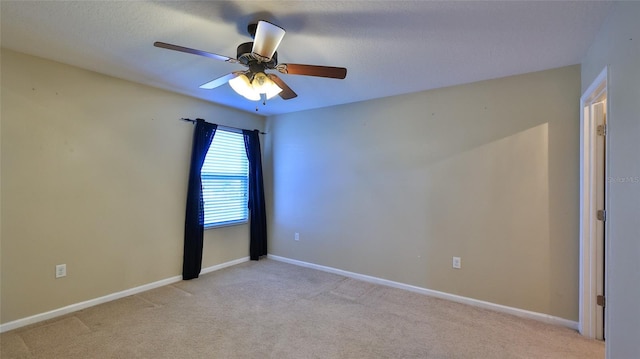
x=588, y=247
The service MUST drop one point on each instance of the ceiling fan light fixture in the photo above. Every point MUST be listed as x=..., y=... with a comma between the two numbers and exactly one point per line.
x=266, y=41
x=242, y=86
x=264, y=85
x=254, y=88
x=273, y=91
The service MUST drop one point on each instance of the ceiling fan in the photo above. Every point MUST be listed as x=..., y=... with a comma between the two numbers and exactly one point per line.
x=258, y=56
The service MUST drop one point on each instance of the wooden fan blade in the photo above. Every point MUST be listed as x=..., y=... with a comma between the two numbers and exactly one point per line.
x=287, y=93
x=220, y=81
x=313, y=70
x=188, y=50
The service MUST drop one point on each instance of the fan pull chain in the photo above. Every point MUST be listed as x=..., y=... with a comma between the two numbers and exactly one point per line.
x=263, y=96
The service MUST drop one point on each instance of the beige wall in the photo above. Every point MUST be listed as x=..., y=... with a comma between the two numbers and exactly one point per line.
x=617, y=46
x=395, y=187
x=94, y=175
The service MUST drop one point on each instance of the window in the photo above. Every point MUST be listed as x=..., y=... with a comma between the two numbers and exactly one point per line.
x=225, y=180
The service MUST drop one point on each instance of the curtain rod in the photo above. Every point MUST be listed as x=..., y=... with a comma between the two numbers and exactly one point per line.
x=222, y=127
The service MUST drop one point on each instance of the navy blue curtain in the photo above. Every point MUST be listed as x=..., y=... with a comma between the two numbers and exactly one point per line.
x=194, y=217
x=257, y=211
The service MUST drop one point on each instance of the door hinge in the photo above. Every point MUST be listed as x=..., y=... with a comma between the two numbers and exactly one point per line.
x=601, y=215
x=600, y=300
x=602, y=130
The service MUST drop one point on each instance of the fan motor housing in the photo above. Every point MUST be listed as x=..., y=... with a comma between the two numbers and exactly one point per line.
x=245, y=57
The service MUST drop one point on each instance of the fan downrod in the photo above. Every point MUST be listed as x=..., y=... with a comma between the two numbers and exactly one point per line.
x=251, y=29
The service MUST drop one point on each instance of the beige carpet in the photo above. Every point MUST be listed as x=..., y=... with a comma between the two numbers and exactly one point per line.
x=269, y=309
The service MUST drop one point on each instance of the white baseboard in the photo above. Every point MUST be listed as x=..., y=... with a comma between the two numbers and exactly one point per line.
x=434, y=293
x=107, y=298
x=452, y=297
x=224, y=265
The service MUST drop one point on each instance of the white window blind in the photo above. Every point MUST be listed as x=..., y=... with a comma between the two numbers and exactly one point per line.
x=225, y=180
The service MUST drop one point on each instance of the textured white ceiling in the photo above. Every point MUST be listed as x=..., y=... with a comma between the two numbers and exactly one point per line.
x=388, y=47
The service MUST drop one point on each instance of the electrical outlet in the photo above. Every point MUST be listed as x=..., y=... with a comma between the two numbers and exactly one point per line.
x=457, y=263
x=296, y=236
x=61, y=270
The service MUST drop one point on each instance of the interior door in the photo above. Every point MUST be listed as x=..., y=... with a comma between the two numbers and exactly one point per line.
x=599, y=111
